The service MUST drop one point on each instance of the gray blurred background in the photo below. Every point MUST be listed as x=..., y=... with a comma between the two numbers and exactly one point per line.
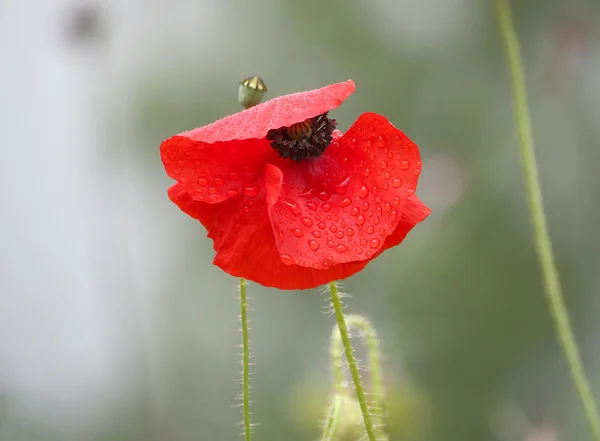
x=114, y=325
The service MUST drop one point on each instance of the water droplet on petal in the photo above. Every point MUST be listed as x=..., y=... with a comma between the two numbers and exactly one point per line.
x=316, y=234
x=341, y=248
x=231, y=193
x=369, y=254
x=343, y=186
x=387, y=207
x=367, y=172
x=404, y=164
x=218, y=181
x=297, y=232
x=330, y=243
x=345, y=202
x=313, y=245
x=360, y=220
x=355, y=211
x=323, y=195
x=202, y=180
x=234, y=176
x=326, y=206
x=365, y=205
x=321, y=225
x=383, y=165
x=308, y=194
x=349, y=232
x=376, y=220
x=387, y=175
x=396, y=201
x=382, y=231
x=212, y=190
x=332, y=228
x=306, y=221
x=370, y=229
x=358, y=250
x=363, y=242
x=410, y=191
x=292, y=206
x=339, y=234
x=396, y=183
x=363, y=192
x=385, y=185
x=286, y=259
x=417, y=171
x=251, y=190
x=312, y=205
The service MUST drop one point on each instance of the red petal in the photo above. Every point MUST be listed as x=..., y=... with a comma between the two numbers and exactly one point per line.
x=414, y=212
x=343, y=206
x=213, y=173
x=282, y=111
x=243, y=240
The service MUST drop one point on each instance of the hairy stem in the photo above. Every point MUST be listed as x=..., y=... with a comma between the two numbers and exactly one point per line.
x=245, y=361
x=542, y=238
x=332, y=419
x=374, y=364
x=360, y=393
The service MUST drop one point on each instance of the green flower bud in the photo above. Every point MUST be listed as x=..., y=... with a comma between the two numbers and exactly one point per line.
x=251, y=91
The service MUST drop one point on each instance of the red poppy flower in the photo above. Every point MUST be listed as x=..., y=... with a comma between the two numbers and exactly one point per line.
x=290, y=202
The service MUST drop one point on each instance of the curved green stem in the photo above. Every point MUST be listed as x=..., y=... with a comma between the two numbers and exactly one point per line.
x=332, y=419
x=245, y=361
x=360, y=393
x=538, y=218
x=372, y=344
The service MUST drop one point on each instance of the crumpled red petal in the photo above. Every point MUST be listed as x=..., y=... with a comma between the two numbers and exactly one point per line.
x=245, y=246
x=279, y=112
x=343, y=206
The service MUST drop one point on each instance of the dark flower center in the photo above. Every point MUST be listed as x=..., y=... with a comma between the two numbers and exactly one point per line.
x=303, y=139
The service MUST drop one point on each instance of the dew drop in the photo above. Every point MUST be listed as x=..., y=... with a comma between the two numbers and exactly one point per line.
x=312, y=205
x=313, y=245
x=370, y=229
x=396, y=201
x=292, y=206
x=341, y=248
x=339, y=234
x=326, y=207
x=316, y=234
x=234, y=176
x=404, y=164
x=355, y=211
x=306, y=221
x=367, y=172
x=286, y=259
x=417, y=171
x=365, y=205
x=212, y=190
x=330, y=243
x=323, y=195
x=378, y=199
x=363, y=242
x=343, y=186
x=349, y=232
x=231, y=193
x=387, y=207
x=332, y=228
x=385, y=185
x=383, y=165
x=358, y=250
x=321, y=225
x=410, y=191
x=363, y=192
x=376, y=220
x=202, y=180
x=218, y=181
x=369, y=254
x=394, y=215
x=251, y=191
x=297, y=232
x=360, y=220
x=308, y=194
x=345, y=202
x=396, y=183
x=387, y=175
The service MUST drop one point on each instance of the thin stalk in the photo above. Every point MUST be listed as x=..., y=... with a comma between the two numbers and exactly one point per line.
x=553, y=292
x=245, y=361
x=358, y=387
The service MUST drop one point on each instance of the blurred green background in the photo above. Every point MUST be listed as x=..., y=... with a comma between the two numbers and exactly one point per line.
x=114, y=325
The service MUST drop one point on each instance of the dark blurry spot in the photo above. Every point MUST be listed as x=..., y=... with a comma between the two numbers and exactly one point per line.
x=85, y=24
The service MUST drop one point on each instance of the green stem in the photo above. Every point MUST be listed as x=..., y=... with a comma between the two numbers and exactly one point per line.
x=245, y=360
x=332, y=419
x=374, y=364
x=360, y=393
x=534, y=194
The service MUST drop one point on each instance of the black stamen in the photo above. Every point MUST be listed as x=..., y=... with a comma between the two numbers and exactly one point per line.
x=298, y=142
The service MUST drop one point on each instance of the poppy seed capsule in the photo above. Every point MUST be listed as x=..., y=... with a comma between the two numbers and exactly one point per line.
x=251, y=91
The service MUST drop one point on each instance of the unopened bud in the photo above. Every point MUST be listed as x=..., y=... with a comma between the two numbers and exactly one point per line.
x=251, y=91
